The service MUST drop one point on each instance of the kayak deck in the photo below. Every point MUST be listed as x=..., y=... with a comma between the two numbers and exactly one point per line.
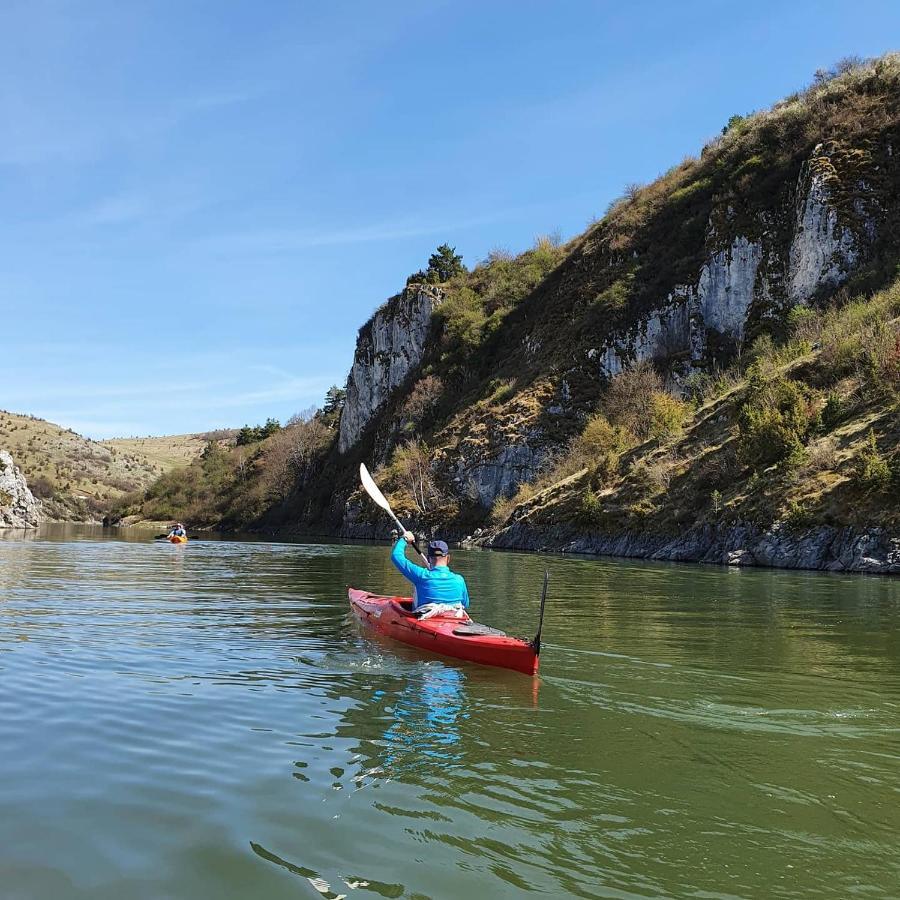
x=445, y=635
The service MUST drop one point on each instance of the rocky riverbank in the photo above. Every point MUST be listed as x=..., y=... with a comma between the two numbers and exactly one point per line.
x=850, y=549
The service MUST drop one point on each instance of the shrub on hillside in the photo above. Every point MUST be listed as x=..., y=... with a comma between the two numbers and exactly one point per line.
x=289, y=455
x=833, y=411
x=503, y=506
x=42, y=487
x=590, y=513
x=774, y=420
x=805, y=324
x=598, y=448
x=335, y=398
x=425, y=395
x=667, y=415
x=253, y=435
x=881, y=356
x=445, y=263
x=871, y=470
x=626, y=399
x=411, y=475
x=638, y=401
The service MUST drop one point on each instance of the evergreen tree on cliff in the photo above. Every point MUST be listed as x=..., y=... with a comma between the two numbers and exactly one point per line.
x=443, y=265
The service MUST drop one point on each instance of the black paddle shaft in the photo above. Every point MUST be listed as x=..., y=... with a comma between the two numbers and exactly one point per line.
x=536, y=643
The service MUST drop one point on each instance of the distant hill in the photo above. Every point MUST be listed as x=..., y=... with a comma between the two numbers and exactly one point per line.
x=77, y=477
x=169, y=451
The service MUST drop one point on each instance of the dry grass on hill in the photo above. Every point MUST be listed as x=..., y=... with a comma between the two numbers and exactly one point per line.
x=76, y=476
x=803, y=433
x=168, y=451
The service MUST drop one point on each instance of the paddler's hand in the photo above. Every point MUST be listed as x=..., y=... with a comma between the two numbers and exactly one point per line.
x=409, y=537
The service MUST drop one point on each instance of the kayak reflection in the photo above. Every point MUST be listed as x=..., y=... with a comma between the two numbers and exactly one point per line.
x=427, y=716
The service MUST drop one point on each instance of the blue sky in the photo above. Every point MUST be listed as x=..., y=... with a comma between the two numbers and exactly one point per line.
x=202, y=201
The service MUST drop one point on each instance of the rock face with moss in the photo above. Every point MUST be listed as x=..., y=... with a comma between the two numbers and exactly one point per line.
x=813, y=251
x=389, y=346
x=18, y=507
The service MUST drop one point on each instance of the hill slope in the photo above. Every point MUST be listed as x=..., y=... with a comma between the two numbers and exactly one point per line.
x=77, y=478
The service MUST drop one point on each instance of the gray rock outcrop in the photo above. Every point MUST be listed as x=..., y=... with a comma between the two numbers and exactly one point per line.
x=483, y=479
x=389, y=346
x=822, y=252
x=18, y=506
x=848, y=549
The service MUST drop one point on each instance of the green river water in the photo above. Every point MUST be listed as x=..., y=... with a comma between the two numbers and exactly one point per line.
x=206, y=721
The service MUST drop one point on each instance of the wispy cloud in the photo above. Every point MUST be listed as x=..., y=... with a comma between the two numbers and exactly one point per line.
x=246, y=393
x=39, y=131
x=161, y=203
x=285, y=240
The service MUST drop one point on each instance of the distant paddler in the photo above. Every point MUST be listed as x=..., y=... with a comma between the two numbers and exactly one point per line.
x=177, y=534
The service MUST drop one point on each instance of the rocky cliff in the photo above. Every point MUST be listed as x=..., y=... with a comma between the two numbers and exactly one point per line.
x=18, y=507
x=875, y=551
x=784, y=210
x=389, y=346
x=799, y=247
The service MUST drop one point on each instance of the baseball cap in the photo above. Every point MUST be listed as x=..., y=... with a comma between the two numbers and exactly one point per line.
x=438, y=548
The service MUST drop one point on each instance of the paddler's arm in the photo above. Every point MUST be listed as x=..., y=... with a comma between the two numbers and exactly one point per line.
x=465, y=596
x=410, y=570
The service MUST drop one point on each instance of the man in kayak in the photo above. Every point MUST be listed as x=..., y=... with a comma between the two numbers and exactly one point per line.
x=438, y=591
x=177, y=530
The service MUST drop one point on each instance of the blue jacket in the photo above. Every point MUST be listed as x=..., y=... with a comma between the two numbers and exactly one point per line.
x=438, y=585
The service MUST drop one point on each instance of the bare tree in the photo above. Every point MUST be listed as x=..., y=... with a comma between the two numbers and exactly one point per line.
x=290, y=453
x=413, y=465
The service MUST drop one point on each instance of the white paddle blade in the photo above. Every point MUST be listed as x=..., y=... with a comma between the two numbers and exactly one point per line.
x=372, y=489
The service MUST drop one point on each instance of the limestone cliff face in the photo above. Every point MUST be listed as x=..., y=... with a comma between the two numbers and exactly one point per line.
x=747, y=276
x=784, y=209
x=389, y=346
x=18, y=507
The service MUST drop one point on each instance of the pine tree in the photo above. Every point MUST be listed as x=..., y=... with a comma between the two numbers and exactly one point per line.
x=443, y=264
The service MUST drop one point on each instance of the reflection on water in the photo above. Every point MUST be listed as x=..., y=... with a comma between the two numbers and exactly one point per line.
x=426, y=718
x=207, y=721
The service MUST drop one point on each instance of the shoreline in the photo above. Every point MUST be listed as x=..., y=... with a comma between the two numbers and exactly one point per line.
x=824, y=548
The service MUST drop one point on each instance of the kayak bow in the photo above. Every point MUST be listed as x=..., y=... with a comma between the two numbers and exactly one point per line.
x=445, y=635
x=177, y=539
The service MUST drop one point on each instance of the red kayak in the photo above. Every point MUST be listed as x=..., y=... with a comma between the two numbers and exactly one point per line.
x=449, y=636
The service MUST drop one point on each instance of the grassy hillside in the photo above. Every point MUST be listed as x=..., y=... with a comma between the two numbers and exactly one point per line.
x=168, y=451
x=78, y=478
x=803, y=431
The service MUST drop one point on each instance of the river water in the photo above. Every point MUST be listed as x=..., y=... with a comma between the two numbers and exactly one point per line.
x=205, y=721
